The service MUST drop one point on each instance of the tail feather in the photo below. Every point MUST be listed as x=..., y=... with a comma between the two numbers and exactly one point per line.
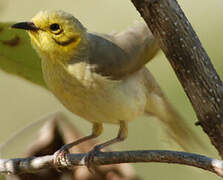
x=174, y=124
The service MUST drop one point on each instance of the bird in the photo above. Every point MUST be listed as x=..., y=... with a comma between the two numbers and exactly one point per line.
x=102, y=78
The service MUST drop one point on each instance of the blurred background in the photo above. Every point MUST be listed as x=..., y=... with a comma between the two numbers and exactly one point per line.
x=22, y=102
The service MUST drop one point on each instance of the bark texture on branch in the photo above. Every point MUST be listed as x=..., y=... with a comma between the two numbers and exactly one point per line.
x=190, y=62
x=33, y=164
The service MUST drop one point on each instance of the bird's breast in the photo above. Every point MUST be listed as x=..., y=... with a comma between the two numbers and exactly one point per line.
x=94, y=97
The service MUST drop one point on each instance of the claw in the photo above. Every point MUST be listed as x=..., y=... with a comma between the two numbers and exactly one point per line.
x=60, y=157
x=89, y=160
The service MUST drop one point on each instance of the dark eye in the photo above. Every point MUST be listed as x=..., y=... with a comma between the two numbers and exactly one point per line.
x=54, y=27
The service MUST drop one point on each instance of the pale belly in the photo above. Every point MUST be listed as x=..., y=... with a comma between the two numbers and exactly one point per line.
x=96, y=98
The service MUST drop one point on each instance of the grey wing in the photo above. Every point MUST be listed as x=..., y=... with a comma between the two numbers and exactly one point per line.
x=119, y=55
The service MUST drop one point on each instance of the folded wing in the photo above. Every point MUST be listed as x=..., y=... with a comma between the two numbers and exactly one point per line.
x=119, y=55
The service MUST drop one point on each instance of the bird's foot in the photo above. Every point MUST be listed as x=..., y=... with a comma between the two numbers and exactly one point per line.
x=60, y=157
x=89, y=159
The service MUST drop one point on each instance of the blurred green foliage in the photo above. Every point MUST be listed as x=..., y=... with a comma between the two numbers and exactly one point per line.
x=17, y=55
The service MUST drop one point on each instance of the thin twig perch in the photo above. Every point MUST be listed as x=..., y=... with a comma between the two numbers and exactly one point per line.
x=24, y=165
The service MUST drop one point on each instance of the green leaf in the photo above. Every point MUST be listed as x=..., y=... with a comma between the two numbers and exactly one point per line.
x=17, y=55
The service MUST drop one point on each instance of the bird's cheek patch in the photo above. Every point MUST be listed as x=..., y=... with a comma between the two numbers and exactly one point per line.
x=42, y=41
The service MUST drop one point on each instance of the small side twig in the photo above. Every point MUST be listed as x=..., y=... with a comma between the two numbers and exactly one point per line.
x=33, y=164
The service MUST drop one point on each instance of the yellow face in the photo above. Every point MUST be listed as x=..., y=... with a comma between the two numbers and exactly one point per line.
x=54, y=32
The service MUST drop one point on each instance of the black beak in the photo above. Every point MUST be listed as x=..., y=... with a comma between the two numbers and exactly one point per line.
x=26, y=26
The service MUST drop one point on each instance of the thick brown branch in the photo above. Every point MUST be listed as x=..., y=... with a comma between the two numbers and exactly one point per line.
x=190, y=62
x=24, y=165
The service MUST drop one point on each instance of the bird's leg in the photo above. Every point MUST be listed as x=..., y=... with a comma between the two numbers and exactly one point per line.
x=59, y=155
x=122, y=135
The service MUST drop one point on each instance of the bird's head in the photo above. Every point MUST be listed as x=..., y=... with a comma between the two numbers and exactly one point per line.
x=54, y=33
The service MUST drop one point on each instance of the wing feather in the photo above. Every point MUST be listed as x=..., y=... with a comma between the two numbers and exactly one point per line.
x=122, y=54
